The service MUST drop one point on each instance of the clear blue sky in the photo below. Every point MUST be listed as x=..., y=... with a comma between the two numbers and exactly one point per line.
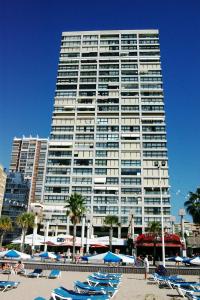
x=30, y=32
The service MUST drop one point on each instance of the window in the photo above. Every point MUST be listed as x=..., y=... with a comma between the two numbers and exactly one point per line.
x=154, y=137
x=84, y=171
x=130, y=181
x=130, y=128
x=100, y=171
x=85, y=136
x=154, y=145
x=57, y=180
x=107, y=145
x=80, y=189
x=155, y=153
x=101, y=162
x=129, y=36
x=101, y=153
x=112, y=180
x=130, y=171
x=106, y=199
x=130, y=163
x=131, y=190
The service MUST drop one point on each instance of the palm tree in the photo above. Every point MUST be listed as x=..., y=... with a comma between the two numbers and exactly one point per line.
x=5, y=226
x=75, y=210
x=154, y=228
x=192, y=205
x=110, y=221
x=25, y=221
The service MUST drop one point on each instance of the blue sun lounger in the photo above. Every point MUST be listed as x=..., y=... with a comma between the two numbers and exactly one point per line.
x=107, y=275
x=36, y=273
x=166, y=279
x=82, y=287
x=6, y=285
x=186, y=284
x=189, y=288
x=39, y=298
x=63, y=294
x=109, y=282
x=54, y=274
x=192, y=296
x=100, y=277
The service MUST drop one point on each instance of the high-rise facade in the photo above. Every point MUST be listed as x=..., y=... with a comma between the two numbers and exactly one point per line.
x=28, y=157
x=2, y=185
x=108, y=130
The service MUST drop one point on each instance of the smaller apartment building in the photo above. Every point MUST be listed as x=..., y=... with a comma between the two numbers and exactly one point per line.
x=29, y=158
x=15, y=201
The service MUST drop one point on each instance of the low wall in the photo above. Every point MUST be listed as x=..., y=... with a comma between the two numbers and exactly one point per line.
x=87, y=267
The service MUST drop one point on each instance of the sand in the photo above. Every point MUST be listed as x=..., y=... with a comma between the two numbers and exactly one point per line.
x=133, y=286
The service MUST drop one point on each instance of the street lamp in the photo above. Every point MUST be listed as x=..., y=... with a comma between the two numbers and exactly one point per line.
x=56, y=224
x=88, y=236
x=131, y=224
x=182, y=213
x=82, y=231
x=46, y=233
x=159, y=165
x=173, y=220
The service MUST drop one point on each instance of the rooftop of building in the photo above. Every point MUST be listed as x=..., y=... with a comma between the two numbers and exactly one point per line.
x=127, y=31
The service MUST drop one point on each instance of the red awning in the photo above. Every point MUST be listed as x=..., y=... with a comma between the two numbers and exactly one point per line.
x=98, y=246
x=159, y=245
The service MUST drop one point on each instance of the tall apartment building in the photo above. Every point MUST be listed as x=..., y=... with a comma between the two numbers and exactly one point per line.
x=28, y=157
x=2, y=186
x=108, y=129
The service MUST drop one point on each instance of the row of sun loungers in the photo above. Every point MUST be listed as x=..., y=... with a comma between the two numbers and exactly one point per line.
x=7, y=285
x=99, y=286
x=188, y=289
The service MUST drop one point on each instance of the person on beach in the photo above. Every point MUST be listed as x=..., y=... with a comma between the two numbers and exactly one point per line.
x=177, y=262
x=161, y=270
x=6, y=268
x=146, y=266
x=138, y=261
x=19, y=268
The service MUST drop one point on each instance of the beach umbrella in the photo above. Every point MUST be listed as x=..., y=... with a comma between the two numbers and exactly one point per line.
x=14, y=254
x=175, y=258
x=186, y=260
x=110, y=257
x=48, y=255
x=195, y=261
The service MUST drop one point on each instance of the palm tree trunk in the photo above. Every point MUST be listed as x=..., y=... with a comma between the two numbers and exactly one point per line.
x=1, y=239
x=74, y=242
x=23, y=239
x=110, y=238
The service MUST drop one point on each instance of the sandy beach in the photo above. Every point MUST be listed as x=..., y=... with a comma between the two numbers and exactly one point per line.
x=133, y=286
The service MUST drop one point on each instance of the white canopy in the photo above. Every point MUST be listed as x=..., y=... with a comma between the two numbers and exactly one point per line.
x=105, y=240
x=39, y=240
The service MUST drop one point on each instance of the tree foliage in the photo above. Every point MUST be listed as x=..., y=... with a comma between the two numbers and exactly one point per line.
x=25, y=221
x=5, y=226
x=192, y=205
x=111, y=221
x=154, y=227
